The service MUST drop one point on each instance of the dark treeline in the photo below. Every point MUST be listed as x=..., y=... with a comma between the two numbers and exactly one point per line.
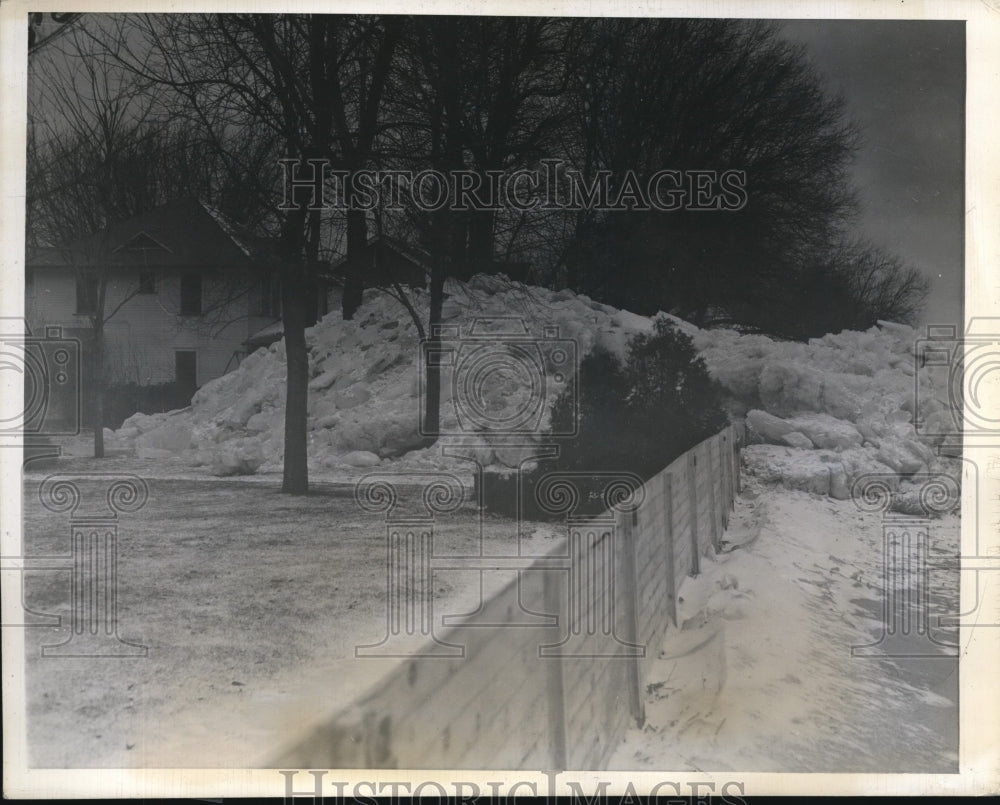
x=502, y=94
x=615, y=100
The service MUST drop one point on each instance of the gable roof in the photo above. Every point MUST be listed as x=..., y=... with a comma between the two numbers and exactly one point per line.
x=188, y=232
x=38, y=256
x=143, y=242
x=413, y=255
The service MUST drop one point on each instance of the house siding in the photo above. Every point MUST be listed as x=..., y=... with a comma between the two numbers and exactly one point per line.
x=142, y=337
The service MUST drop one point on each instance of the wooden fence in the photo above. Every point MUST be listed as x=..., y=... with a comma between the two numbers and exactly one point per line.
x=560, y=692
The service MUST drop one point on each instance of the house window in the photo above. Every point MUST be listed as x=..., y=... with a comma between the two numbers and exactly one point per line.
x=190, y=294
x=86, y=295
x=29, y=282
x=186, y=370
x=147, y=282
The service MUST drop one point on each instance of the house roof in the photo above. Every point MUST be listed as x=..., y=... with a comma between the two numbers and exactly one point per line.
x=184, y=232
x=37, y=256
x=266, y=335
x=415, y=256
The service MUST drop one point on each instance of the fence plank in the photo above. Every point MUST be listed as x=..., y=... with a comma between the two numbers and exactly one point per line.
x=713, y=496
x=668, y=545
x=636, y=700
x=693, y=492
x=737, y=444
x=554, y=676
x=726, y=465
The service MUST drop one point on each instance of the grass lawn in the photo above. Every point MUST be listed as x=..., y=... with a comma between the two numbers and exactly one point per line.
x=250, y=603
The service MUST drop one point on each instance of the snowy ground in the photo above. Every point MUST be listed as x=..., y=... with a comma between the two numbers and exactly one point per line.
x=248, y=642
x=251, y=604
x=768, y=682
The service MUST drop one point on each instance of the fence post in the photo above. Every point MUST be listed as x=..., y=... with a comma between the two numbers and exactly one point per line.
x=726, y=462
x=631, y=591
x=739, y=466
x=554, y=684
x=668, y=519
x=734, y=457
x=713, y=498
x=693, y=499
x=737, y=442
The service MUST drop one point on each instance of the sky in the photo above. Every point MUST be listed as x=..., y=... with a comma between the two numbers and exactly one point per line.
x=904, y=85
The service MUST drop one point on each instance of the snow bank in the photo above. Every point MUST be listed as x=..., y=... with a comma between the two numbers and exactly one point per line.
x=826, y=412
x=364, y=389
x=822, y=413
x=787, y=609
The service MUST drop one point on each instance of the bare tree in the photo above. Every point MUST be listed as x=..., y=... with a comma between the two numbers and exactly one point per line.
x=101, y=151
x=89, y=150
x=879, y=285
x=315, y=83
x=480, y=94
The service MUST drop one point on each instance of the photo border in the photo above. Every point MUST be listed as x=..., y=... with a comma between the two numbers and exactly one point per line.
x=979, y=772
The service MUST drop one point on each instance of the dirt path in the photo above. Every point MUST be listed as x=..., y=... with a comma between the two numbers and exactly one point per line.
x=788, y=695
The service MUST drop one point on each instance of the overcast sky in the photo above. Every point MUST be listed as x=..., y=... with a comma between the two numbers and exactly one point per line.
x=904, y=83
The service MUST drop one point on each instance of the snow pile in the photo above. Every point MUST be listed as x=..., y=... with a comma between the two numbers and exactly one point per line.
x=823, y=412
x=364, y=391
x=834, y=409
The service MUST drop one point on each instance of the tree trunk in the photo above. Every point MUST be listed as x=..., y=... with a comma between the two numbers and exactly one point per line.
x=97, y=387
x=311, y=283
x=354, y=267
x=572, y=262
x=311, y=311
x=481, y=241
x=432, y=369
x=295, y=480
x=448, y=227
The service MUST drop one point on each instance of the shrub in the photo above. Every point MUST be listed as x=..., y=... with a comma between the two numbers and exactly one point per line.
x=635, y=418
x=639, y=417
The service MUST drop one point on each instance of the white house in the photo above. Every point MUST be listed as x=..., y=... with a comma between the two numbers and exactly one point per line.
x=185, y=291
